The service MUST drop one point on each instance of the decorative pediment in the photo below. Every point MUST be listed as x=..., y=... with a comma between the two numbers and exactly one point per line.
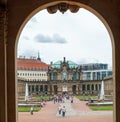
x=62, y=7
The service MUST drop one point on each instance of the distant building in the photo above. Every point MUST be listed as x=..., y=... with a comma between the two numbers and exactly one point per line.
x=32, y=69
x=61, y=77
x=64, y=77
x=108, y=86
x=95, y=71
x=93, y=66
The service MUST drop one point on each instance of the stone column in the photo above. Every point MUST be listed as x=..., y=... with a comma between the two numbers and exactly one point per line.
x=48, y=88
x=94, y=87
x=59, y=89
x=30, y=89
x=51, y=76
x=34, y=88
x=3, y=75
x=69, y=76
x=116, y=73
x=52, y=90
x=11, y=61
x=77, y=89
x=58, y=76
x=80, y=89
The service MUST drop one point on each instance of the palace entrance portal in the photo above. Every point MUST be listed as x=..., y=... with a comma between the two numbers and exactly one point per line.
x=64, y=88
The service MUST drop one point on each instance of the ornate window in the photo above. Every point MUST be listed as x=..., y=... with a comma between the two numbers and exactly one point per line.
x=64, y=75
x=74, y=76
x=55, y=76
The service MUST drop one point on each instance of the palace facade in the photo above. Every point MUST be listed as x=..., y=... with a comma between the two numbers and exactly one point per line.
x=60, y=77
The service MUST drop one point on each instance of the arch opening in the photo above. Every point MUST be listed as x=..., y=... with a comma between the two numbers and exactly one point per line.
x=100, y=17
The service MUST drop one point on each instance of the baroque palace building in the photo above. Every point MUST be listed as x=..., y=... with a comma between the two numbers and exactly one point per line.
x=62, y=77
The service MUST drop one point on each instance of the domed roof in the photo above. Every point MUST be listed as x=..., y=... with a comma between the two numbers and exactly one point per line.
x=56, y=64
x=70, y=63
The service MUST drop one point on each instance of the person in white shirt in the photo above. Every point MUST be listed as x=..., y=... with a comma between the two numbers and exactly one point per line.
x=63, y=111
x=60, y=109
x=31, y=110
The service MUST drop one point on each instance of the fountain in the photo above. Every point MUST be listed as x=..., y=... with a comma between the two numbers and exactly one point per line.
x=26, y=92
x=28, y=102
x=102, y=91
x=101, y=100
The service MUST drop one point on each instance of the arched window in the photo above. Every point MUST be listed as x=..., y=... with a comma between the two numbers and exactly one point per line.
x=64, y=75
x=92, y=87
x=55, y=76
x=74, y=76
x=96, y=87
x=88, y=87
x=55, y=89
x=83, y=87
x=32, y=88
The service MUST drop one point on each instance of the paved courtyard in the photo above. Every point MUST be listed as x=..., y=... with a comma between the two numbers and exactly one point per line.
x=75, y=112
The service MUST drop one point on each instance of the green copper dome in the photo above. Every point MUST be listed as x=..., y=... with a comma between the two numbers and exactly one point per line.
x=58, y=64
x=72, y=64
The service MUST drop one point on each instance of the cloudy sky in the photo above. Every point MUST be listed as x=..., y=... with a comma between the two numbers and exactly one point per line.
x=80, y=37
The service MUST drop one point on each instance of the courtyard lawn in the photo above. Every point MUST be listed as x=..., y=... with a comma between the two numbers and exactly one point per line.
x=87, y=97
x=42, y=97
x=27, y=109
x=98, y=108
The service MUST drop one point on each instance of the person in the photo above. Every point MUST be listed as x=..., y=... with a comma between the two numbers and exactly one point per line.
x=31, y=110
x=60, y=109
x=63, y=111
x=54, y=99
x=71, y=100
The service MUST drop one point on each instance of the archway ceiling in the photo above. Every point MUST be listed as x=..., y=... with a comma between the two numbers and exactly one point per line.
x=3, y=2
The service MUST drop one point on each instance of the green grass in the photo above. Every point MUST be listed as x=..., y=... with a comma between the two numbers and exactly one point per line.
x=98, y=108
x=27, y=109
x=86, y=97
x=42, y=97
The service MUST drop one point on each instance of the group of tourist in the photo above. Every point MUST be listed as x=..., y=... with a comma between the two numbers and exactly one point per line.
x=62, y=98
x=62, y=110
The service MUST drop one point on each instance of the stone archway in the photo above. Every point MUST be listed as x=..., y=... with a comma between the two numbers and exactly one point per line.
x=12, y=20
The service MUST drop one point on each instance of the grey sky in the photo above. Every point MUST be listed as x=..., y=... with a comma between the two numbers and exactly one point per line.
x=79, y=37
x=47, y=39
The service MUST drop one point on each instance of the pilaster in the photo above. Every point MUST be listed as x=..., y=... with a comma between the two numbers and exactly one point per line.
x=3, y=79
